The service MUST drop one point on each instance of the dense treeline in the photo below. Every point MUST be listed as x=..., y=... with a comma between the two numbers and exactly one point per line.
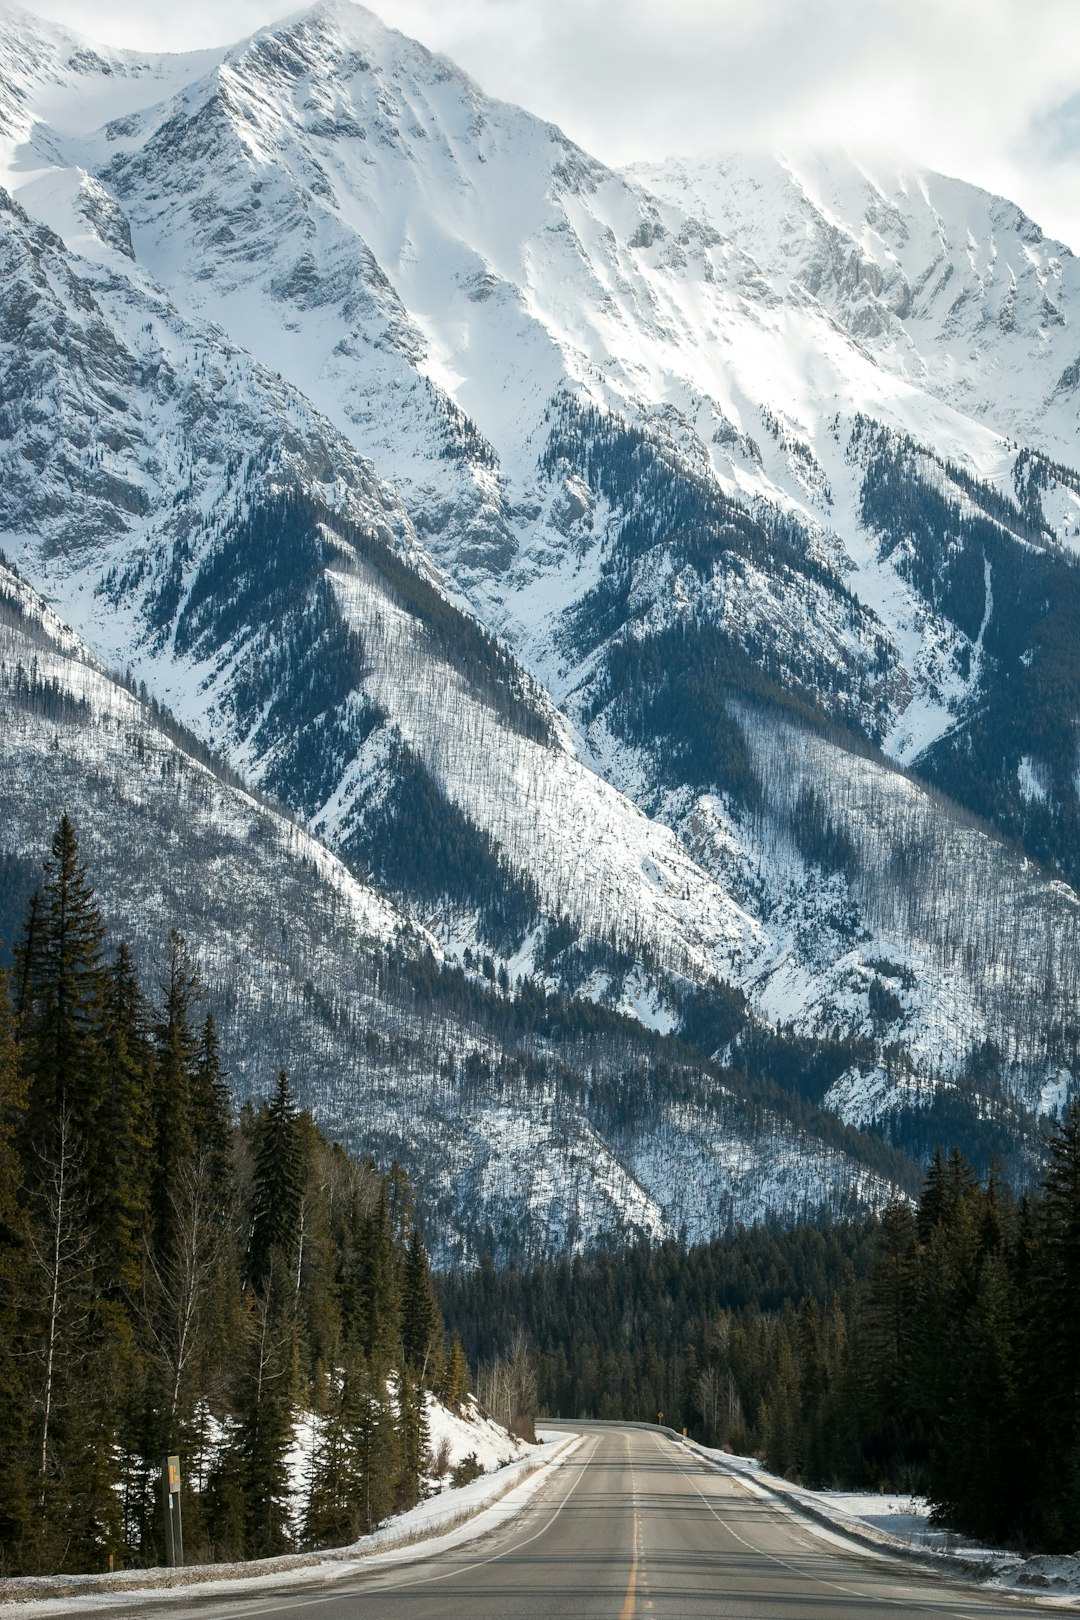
x=173, y=1280
x=936, y=1349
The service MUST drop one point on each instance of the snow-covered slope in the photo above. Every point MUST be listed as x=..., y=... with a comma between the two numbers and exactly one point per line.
x=947, y=286
x=439, y=272
x=513, y=1124
x=314, y=357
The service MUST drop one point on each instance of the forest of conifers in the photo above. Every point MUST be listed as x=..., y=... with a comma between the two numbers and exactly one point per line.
x=174, y=1280
x=934, y=1350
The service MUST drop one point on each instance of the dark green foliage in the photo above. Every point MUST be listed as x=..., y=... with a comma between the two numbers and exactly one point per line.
x=711, y=1017
x=61, y=992
x=277, y=1191
x=124, y=1127
x=16, y=1515
x=671, y=690
x=19, y=877
x=130, y=1211
x=421, y=1325
x=819, y=838
x=468, y=1469
x=174, y=1067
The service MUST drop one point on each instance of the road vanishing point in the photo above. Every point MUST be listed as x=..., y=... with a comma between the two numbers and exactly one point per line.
x=633, y=1526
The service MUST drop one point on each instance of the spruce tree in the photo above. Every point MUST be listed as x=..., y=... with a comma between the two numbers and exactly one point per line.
x=454, y=1382
x=278, y=1190
x=122, y=1149
x=250, y=1515
x=211, y=1107
x=421, y=1324
x=1055, y=1341
x=413, y=1431
x=62, y=996
x=889, y=1425
x=174, y=1070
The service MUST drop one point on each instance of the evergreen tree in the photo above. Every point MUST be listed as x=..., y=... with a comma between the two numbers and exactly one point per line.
x=889, y=1426
x=1054, y=1345
x=211, y=1107
x=278, y=1190
x=414, y=1435
x=421, y=1324
x=454, y=1383
x=128, y=1207
x=174, y=1070
x=251, y=1512
x=62, y=998
x=374, y=1436
x=122, y=1147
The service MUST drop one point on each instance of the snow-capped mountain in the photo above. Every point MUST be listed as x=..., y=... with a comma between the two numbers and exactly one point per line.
x=580, y=554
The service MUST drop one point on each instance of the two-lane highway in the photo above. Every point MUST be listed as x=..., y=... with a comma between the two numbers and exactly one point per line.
x=632, y=1527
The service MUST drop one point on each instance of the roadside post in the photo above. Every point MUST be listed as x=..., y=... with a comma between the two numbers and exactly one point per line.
x=174, y=1529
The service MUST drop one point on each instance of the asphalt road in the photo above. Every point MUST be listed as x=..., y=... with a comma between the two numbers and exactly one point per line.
x=632, y=1527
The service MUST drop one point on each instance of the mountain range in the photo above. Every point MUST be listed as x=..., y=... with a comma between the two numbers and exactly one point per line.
x=589, y=655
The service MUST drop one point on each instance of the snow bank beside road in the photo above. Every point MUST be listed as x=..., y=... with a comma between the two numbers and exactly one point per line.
x=897, y=1524
x=439, y=1524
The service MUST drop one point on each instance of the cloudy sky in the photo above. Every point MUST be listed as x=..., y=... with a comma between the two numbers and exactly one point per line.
x=986, y=89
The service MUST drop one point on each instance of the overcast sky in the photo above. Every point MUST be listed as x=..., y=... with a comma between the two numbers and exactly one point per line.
x=986, y=89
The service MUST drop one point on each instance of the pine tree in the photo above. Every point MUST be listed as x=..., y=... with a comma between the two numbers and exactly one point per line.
x=454, y=1383
x=1054, y=1342
x=375, y=1319
x=211, y=1107
x=414, y=1436
x=174, y=1070
x=421, y=1324
x=330, y=1516
x=62, y=996
x=278, y=1191
x=374, y=1437
x=251, y=1512
x=890, y=1433
x=122, y=1147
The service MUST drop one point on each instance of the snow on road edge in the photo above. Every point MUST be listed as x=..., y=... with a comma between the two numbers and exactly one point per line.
x=1053, y=1580
x=433, y=1527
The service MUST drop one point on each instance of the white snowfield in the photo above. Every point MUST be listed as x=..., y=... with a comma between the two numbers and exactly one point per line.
x=435, y=1526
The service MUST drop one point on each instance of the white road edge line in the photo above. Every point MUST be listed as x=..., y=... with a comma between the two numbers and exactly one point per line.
x=835, y=1586
x=343, y=1591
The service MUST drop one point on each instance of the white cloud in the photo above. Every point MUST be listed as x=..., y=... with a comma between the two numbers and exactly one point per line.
x=986, y=89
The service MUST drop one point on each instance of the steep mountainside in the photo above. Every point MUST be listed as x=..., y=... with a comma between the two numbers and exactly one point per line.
x=580, y=555
x=532, y=1125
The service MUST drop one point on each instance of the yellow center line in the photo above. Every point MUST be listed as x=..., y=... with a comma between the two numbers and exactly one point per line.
x=630, y=1600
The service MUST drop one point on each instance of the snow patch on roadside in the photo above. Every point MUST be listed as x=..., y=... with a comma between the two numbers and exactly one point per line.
x=440, y=1524
x=896, y=1522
